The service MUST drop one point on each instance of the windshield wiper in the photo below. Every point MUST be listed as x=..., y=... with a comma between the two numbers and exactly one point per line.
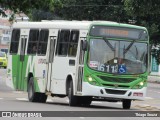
x=108, y=43
x=130, y=45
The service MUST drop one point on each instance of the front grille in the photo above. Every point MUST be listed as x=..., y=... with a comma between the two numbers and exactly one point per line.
x=118, y=92
x=116, y=86
x=117, y=80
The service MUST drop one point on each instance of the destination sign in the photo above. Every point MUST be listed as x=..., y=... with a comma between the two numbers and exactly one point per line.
x=118, y=32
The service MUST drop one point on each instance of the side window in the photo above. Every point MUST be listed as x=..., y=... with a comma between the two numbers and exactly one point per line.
x=63, y=40
x=15, y=41
x=81, y=55
x=72, y=50
x=33, y=41
x=43, y=40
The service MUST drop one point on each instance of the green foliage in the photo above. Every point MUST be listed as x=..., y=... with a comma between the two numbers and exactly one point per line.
x=38, y=15
x=19, y=5
x=112, y=10
x=147, y=13
x=25, y=6
x=142, y=8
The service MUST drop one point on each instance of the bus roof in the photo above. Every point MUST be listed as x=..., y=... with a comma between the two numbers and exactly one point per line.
x=53, y=24
x=116, y=24
x=64, y=24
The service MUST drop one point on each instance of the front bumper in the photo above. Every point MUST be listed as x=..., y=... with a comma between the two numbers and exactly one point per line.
x=3, y=64
x=113, y=93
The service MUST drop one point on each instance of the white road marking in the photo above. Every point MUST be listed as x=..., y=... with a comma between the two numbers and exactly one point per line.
x=1, y=98
x=49, y=100
x=154, y=91
x=143, y=105
x=149, y=98
x=118, y=102
x=18, y=92
x=96, y=102
x=82, y=117
x=26, y=99
x=23, y=99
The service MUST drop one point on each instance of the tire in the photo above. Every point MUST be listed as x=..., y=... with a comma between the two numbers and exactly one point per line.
x=72, y=99
x=43, y=97
x=84, y=101
x=126, y=104
x=34, y=96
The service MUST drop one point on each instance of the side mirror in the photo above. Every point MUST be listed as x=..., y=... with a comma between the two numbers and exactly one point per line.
x=84, y=45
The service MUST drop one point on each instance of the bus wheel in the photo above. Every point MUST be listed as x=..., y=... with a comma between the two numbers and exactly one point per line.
x=43, y=97
x=72, y=98
x=85, y=101
x=32, y=95
x=126, y=104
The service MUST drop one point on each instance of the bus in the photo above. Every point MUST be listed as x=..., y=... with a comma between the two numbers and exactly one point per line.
x=83, y=60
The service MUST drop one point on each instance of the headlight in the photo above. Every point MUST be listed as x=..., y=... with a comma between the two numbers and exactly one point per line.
x=141, y=83
x=90, y=79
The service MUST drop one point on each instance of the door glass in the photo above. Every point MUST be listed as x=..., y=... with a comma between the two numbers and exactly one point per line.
x=52, y=49
x=23, y=46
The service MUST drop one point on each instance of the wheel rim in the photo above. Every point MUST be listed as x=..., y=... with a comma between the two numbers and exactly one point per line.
x=30, y=91
x=69, y=93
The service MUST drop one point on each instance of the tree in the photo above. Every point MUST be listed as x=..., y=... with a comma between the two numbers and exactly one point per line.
x=147, y=13
x=112, y=10
x=18, y=6
x=142, y=12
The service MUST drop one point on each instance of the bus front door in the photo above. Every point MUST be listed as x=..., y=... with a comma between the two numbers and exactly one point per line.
x=20, y=69
x=80, y=66
x=50, y=60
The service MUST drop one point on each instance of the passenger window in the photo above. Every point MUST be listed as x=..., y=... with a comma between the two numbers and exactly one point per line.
x=15, y=41
x=72, y=50
x=63, y=40
x=33, y=41
x=43, y=40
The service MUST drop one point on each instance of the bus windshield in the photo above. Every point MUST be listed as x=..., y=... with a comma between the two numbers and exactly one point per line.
x=119, y=57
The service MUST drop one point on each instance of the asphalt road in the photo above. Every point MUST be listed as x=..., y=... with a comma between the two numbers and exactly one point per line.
x=11, y=100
